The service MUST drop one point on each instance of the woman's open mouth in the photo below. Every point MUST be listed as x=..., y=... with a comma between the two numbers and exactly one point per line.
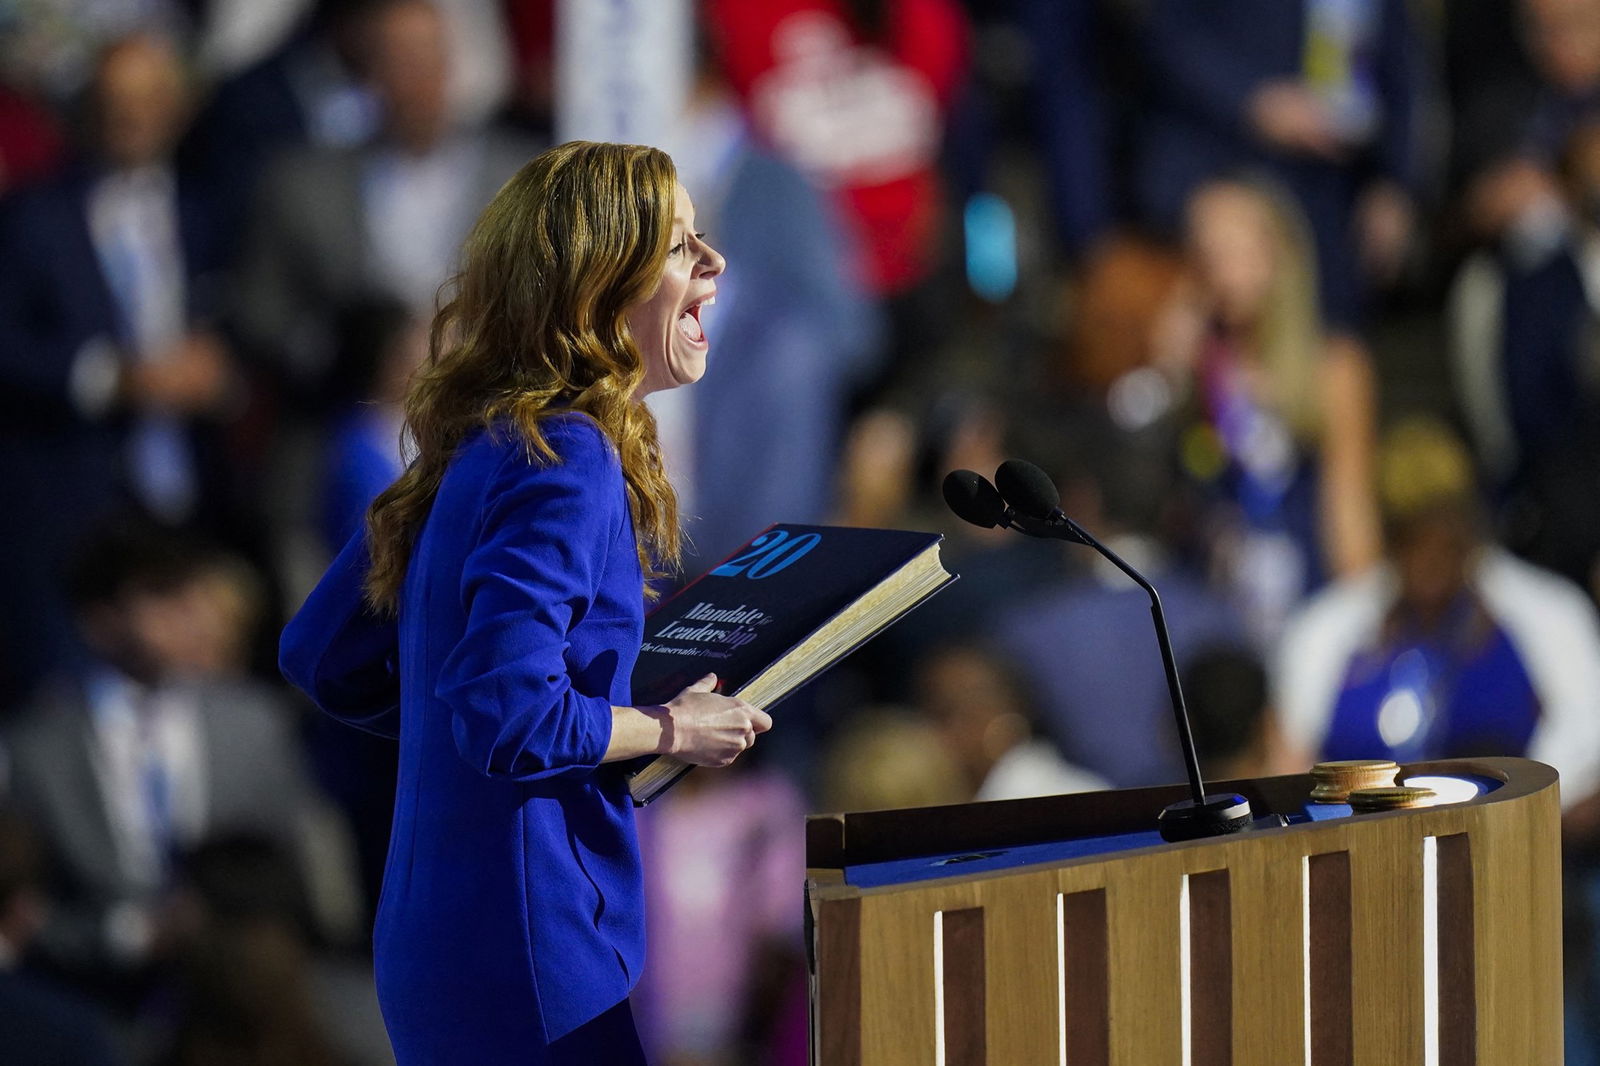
x=689, y=322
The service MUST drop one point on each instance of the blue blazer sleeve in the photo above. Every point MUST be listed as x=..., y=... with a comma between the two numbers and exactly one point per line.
x=339, y=653
x=532, y=575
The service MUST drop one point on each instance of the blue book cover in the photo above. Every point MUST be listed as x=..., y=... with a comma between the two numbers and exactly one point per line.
x=774, y=614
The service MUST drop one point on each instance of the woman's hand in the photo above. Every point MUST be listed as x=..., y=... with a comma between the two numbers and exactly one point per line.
x=701, y=727
x=697, y=726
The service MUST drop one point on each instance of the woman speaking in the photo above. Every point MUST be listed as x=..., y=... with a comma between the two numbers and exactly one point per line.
x=490, y=614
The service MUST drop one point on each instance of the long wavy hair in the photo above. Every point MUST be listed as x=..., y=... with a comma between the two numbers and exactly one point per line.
x=534, y=325
x=1287, y=334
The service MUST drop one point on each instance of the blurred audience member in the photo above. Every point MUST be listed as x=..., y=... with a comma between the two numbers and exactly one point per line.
x=723, y=862
x=1112, y=327
x=54, y=45
x=482, y=61
x=126, y=760
x=1453, y=648
x=982, y=708
x=1086, y=643
x=229, y=602
x=1285, y=418
x=855, y=93
x=1527, y=361
x=40, y=1025
x=1565, y=40
x=1483, y=54
x=308, y=91
x=1066, y=40
x=336, y=225
x=106, y=361
x=308, y=88
x=253, y=990
x=1324, y=94
x=1235, y=732
x=891, y=469
x=886, y=758
x=793, y=335
x=877, y=469
x=1512, y=133
x=890, y=472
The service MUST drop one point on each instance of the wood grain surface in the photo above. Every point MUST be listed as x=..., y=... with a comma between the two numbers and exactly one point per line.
x=1107, y=930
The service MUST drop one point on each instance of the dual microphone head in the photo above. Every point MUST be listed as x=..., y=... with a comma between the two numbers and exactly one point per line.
x=1024, y=498
x=1020, y=496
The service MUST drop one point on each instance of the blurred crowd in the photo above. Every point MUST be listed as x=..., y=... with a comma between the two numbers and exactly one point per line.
x=1297, y=300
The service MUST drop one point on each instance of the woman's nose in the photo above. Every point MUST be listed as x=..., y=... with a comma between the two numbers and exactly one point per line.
x=711, y=262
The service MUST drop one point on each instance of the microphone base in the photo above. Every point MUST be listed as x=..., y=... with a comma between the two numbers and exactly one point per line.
x=1220, y=815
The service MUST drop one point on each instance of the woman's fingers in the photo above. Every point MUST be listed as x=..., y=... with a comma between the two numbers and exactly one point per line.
x=714, y=730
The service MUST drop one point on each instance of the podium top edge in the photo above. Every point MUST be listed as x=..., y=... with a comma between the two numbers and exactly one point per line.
x=837, y=840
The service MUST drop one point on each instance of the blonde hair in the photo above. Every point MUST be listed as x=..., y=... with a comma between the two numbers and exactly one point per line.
x=1287, y=336
x=1422, y=466
x=535, y=325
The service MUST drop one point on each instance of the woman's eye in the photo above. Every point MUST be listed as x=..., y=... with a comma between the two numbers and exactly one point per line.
x=675, y=249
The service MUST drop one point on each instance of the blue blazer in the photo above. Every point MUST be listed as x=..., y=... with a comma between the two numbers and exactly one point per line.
x=512, y=905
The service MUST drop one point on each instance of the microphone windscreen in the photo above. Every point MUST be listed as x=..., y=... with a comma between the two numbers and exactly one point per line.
x=1027, y=488
x=973, y=499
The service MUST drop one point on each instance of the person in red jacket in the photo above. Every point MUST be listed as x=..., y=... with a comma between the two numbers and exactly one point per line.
x=855, y=93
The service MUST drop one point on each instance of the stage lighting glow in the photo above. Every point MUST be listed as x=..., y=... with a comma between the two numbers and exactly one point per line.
x=1448, y=789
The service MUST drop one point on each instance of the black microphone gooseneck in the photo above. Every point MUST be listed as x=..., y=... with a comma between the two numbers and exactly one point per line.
x=1034, y=495
x=1037, y=506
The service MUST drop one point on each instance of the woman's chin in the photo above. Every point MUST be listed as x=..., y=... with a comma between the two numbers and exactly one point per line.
x=687, y=371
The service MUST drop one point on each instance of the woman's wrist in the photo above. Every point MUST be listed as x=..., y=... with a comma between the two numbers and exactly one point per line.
x=639, y=731
x=666, y=728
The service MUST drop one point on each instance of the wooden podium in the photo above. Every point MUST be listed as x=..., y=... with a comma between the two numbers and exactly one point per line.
x=951, y=936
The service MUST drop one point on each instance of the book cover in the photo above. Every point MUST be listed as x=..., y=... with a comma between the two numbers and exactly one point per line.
x=764, y=600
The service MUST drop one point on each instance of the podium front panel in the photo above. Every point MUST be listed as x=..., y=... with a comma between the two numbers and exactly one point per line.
x=947, y=937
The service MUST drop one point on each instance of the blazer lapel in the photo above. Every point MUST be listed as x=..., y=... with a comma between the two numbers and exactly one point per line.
x=80, y=797
x=78, y=247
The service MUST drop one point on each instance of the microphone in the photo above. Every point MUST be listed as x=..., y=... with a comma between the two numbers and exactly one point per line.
x=1034, y=495
x=974, y=500
x=1037, y=502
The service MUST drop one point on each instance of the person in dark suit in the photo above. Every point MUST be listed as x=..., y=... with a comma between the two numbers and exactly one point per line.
x=334, y=225
x=1526, y=327
x=306, y=92
x=124, y=763
x=1324, y=95
x=490, y=615
x=107, y=365
x=40, y=1024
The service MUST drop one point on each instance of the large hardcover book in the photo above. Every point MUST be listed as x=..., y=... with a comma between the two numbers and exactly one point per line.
x=774, y=615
